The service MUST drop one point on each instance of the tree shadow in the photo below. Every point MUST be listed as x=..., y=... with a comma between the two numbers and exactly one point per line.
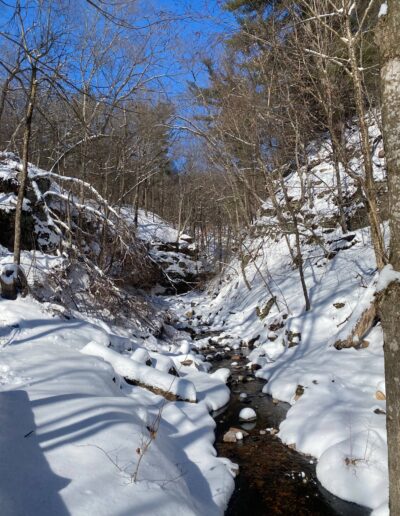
x=27, y=484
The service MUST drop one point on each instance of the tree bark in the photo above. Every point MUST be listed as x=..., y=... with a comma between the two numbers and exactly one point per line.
x=389, y=44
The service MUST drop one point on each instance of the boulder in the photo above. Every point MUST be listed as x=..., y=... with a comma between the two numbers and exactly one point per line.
x=13, y=281
x=234, y=434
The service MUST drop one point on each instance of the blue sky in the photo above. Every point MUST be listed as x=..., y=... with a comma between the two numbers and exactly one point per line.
x=191, y=37
x=197, y=34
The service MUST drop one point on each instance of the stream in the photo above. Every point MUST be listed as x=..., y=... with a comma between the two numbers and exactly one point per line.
x=273, y=478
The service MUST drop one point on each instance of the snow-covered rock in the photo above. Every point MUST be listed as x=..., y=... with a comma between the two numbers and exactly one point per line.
x=247, y=414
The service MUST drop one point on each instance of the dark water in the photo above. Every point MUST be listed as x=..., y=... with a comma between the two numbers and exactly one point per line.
x=273, y=478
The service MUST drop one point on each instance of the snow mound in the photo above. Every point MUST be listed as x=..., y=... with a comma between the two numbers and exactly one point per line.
x=142, y=374
x=356, y=469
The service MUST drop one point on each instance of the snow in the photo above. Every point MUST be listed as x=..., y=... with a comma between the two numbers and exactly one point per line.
x=128, y=368
x=387, y=275
x=247, y=414
x=383, y=9
x=9, y=273
x=153, y=228
x=295, y=348
x=339, y=386
x=211, y=390
x=63, y=378
x=356, y=469
x=141, y=355
x=69, y=432
x=222, y=374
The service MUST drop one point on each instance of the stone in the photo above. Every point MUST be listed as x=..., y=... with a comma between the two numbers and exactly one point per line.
x=251, y=342
x=247, y=414
x=234, y=434
x=293, y=337
x=339, y=305
x=299, y=392
x=236, y=430
x=13, y=282
x=187, y=362
x=263, y=312
x=234, y=469
x=229, y=437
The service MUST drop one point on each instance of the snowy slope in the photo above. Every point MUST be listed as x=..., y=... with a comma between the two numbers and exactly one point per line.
x=53, y=214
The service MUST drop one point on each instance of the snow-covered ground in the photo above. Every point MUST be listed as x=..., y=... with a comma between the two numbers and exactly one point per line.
x=73, y=431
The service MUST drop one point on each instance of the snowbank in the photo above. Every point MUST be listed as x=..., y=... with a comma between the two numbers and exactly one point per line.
x=142, y=374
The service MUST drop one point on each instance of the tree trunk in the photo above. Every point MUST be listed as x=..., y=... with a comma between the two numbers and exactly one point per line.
x=369, y=185
x=5, y=88
x=24, y=173
x=339, y=195
x=299, y=257
x=389, y=44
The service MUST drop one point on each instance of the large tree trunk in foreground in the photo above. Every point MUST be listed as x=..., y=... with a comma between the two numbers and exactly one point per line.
x=389, y=44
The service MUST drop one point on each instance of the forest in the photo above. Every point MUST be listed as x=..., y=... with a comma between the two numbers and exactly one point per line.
x=199, y=257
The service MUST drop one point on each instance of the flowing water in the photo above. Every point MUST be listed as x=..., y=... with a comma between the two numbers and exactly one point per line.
x=273, y=478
